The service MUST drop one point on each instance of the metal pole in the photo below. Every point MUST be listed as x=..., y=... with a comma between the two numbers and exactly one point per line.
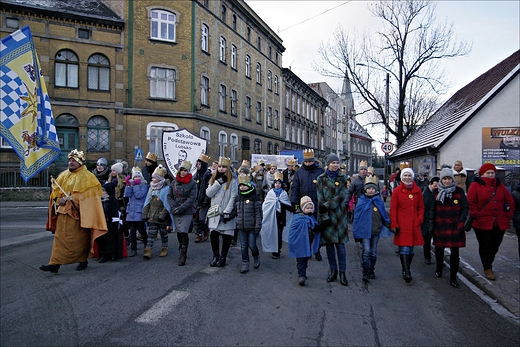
x=387, y=116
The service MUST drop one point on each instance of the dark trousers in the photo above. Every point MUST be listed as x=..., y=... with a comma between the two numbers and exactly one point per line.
x=134, y=227
x=488, y=243
x=427, y=248
x=301, y=265
x=454, y=260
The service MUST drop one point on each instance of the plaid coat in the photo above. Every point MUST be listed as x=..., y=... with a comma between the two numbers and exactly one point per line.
x=448, y=219
x=331, y=195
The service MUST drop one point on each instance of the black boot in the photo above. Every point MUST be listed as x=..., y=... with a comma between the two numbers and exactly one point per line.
x=372, y=273
x=222, y=260
x=82, y=266
x=50, y=268
x=183, y=249
x=454, y=268
x=343, y=279
x=226, y=243
x=215, y=241
x=215, y=260
x=333, y=275
x=366, y=274
x=406, y=260
x=439, y=261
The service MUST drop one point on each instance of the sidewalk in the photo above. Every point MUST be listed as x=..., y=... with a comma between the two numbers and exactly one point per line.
x=505, y=290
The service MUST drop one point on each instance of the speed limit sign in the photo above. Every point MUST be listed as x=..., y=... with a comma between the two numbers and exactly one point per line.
x=387, y=147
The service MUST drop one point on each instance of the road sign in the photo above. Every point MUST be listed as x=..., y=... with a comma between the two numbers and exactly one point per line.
x=138, y=154
x=387, y=147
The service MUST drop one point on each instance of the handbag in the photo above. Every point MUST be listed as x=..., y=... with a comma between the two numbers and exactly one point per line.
x=213, y=211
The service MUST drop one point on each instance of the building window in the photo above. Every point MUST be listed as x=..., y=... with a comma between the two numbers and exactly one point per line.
x=163, y=25
x=206, y=3
x=4, y=143
x=258, y=73
x=234, y=56
x=234, y=100
x=98, y=72
x=12, y=23
x=204, y=91
x=223, y=13
x=233, y=146
x=270, y=53
x=259, y=43
x=205, y=133
x=98, y=134
x=222, y=49
x=269, y=80
x=222, y=98
x=276, y=149
x=222, y=143
x=154, y=133
x=204, y=38
x=66, y=69
x=276, y=119
x=276, y=84
x=276, y=58
x=248, y=66
x=83, y=33
x=248, y=108
x=234, y=22
x=287, y=98
x=287, y=131
x=248, y=34
x=269, y=117
x=269, y=148
x=162, y=83
x=258, y=146
x=258, y=112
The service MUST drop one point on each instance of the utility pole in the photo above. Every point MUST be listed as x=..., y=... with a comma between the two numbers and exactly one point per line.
x=387, y=116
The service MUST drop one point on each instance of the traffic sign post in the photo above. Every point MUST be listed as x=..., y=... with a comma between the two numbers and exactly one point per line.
x=138, y=155
x=387, y=147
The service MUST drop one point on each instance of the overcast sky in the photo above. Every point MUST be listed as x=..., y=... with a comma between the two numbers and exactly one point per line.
x=493, y=27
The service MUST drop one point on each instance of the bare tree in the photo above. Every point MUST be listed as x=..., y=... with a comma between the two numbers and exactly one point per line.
x=410, y=48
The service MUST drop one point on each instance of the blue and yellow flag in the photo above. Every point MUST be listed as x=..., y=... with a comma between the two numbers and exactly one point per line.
x=27, y=123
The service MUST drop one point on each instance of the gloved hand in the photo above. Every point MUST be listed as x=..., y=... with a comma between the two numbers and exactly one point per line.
x=358, y=240
x=395, y=230
x=316, y=229
x=326, y=223
x=226, y=217
x=322, y=208
x=137, y=181
x=222, y=180
x=127, y=180
x=63, y=201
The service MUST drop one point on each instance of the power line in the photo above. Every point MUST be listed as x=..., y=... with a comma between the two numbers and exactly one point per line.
x=319, y=14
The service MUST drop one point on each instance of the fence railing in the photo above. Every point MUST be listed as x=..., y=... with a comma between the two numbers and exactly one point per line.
x=10, y=177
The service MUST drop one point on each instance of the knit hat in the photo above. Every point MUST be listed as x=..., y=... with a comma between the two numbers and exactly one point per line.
x=434, y=179
x=185, y=165
x=102, y=161
x=410, y=171
x=305, y=200
x=159, y=172
x=136, y=171
x=330, y=158
x=486, y=167
x=446, y=173
x=118, y=167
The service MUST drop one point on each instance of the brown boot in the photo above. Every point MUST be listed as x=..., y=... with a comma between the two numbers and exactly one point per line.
x=164, y=252
x=147, y=253
x=206, y=235
x=489, y=274
x=198, y=238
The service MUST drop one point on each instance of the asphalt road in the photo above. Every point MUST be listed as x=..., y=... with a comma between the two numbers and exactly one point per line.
x=133, y=302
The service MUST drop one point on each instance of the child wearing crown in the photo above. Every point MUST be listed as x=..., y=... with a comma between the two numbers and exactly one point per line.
x=370, y=223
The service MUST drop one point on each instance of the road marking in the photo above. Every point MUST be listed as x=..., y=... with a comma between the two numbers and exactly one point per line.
x=24, y=238
x=162, y=308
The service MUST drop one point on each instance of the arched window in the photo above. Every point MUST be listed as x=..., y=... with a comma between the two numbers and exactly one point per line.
x=269, y=148
x=66, y=69
x=98, y=72
x=162, y=25
x=258, y=147
x=276, y=84
x=222, y=143
x=204, y=38
x=98, y=134
x=233, y=56
x=205, y=133
x=233, y=146
x=248, y=66
x=276, y=149
x=269, y=80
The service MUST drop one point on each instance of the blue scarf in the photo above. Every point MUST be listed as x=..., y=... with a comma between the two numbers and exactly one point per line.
x=277, y=191
x=332, y=174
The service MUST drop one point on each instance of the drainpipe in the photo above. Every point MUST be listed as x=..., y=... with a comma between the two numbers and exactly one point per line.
x=193, y=47
x=130, y=67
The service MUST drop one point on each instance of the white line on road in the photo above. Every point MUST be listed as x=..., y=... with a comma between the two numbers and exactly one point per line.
x=24, y=238
x=162, y=308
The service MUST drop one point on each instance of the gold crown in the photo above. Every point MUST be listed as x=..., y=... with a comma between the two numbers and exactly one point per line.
x=363, y=163
x=260, y=162
x=278, y=176
x=244, y=179
x=185, y=164
x=136, y=168
x=246, y=163
x=223, y=161
x=151, y=156
x=160, y=170
x=205, y=158
x=292, y=162
x=268, y=166
x=372, y=180
x=404, y=165
x=78, y=156
x=371, y=169
x=308, y=154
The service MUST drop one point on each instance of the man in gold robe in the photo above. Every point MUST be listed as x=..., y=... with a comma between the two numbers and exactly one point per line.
x=76, y=215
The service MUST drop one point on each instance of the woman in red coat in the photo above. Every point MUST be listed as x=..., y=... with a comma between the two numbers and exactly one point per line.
x=491, y=206
x=406, y=217
x=446, y=217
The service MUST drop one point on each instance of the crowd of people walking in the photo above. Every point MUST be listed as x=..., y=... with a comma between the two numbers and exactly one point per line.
x=99, y=213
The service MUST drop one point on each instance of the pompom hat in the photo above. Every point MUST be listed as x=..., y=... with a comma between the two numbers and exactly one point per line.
x=305, y=200
x=117, y=167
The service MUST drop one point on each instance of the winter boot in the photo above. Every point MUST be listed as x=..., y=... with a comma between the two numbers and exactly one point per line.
x=366, y=274
x=256, y=262
x=333, y=275
x=147, y=253
x=343, y=279
x=82, y=266
x=245, y=267
x=222, y=260
x=454, y=268
x=51, y=268
x=405, y=263
x=215, y=260
x=372, y=273
x=164, y=252
x=182, y=257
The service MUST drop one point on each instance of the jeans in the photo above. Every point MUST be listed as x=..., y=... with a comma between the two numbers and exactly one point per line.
x=369, y=254
x=301, y=265
x=248, y=242
x=338, y=248
x=405, y=249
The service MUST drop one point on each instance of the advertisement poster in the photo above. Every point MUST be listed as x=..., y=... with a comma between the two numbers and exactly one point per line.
x=279, y=160
x=180, y=145
x=501, y=147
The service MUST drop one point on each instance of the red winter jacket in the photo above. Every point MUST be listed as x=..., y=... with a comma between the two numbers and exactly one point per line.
x=494, y=212
x=407, y=214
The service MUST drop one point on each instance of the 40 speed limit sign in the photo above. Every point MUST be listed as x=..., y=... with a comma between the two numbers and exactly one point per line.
x=387, y=147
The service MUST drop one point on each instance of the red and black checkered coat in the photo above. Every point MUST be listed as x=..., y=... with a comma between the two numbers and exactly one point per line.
x=448, y=219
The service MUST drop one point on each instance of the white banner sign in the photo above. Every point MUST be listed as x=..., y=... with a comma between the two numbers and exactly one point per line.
x=279, y=160
x=180, y=145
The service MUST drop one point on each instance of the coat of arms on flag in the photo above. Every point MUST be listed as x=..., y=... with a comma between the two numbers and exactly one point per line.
x=27, y=123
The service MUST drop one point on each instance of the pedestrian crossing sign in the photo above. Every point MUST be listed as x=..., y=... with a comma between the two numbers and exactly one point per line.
x=138, y=154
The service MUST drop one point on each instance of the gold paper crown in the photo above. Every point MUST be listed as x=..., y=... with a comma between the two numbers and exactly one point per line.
x=371, y=169
x=268, y=166
x=244, y=179
x=205, y=158
x=363, y=163
x=185, y=164
x=278, y=176
x=151, y=156
x=292, y=162
x=223, y=161
x=135, y=169
x=343, y=166
x=260, y=162
x=372, y=180
x=246, y=163
x=160, y=170
x=78, y=156
x=404, y=165
x=308, y=154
